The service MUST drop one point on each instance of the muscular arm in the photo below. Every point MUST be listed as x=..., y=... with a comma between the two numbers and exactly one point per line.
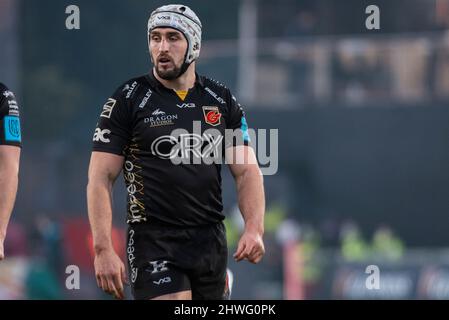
x=103, y=171
x=251, y=198
x=9, y=177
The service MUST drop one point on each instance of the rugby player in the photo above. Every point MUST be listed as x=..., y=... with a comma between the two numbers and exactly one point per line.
x=176, y=241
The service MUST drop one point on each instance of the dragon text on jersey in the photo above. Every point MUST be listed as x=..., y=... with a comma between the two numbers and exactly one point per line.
x=160, y=118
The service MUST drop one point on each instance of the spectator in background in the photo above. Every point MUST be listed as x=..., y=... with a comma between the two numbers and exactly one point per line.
x=353, y=246
x=386, y=244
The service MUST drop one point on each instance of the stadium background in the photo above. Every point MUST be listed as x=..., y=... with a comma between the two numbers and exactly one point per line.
x=363, y=121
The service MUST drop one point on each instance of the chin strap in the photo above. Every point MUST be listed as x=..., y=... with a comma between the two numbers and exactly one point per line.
x=185, y=65
x=184, y=68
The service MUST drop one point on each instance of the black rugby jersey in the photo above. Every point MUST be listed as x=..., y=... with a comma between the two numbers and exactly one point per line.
x=10, y=133
x=163, y=138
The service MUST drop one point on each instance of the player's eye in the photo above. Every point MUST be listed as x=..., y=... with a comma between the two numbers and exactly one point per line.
x=174, y=37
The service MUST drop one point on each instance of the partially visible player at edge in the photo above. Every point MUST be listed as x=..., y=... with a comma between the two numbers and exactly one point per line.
x=176, y=239
x=10, y=144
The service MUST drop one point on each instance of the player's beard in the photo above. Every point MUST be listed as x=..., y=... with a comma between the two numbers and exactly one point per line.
x=168, y=74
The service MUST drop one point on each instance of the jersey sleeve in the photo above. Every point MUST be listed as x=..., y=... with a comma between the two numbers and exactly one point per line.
x=236, y=123
x=10, y=132
x=113, y=132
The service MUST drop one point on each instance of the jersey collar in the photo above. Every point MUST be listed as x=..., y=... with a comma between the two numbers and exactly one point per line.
x=155, y=83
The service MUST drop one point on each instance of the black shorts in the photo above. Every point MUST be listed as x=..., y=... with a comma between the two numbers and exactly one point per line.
x=164, y=259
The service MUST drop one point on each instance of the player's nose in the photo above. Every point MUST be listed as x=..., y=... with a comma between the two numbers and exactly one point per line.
x=164, y=46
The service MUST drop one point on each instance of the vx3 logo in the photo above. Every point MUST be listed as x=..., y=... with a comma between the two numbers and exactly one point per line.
x=162, y=281
x=186, y=106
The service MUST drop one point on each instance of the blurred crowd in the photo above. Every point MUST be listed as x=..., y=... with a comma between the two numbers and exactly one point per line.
x=315, y=60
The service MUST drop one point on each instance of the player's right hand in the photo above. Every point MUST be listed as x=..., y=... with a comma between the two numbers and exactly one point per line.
x=110, y=273
x=250, y=247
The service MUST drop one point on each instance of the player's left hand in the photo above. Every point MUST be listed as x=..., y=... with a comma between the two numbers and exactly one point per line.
x=250, y=247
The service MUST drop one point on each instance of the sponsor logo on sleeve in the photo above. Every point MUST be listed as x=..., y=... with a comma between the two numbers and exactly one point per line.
x=100, y=135
x=8, y=94
x=12, y=129
x=107, y=108
x=13, y=108
x=130, y=89
x=145, y=99
x=216, y=97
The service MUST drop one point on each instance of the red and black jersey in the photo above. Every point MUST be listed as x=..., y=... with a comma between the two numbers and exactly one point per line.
x=164, y=139
x=10, y=133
